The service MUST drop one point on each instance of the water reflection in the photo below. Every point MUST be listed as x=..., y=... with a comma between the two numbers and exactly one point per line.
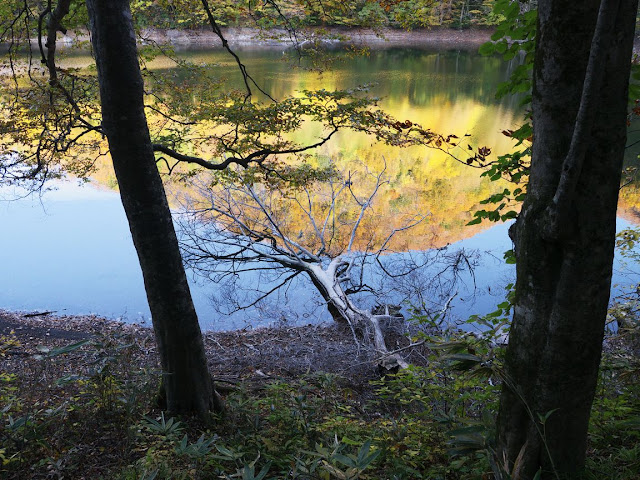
x=62, y=255
x=72, y=252
x=450, y=92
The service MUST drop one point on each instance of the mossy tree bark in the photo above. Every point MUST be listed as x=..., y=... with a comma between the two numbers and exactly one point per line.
x=564, y=236
x=186, y=381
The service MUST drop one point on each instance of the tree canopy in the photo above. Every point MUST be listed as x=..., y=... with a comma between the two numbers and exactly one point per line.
x=297, y=14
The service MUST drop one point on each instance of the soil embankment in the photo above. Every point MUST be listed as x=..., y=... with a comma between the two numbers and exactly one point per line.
x=282, y=352
x=436, y=37
x=442, y=38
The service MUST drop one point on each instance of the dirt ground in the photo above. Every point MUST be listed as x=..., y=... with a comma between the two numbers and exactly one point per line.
x=265, y=353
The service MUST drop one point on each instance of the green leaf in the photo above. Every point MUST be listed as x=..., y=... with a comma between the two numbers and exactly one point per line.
x=60, y=350
x=343, y=459
x=510, y=215
x=467, y=357
x=510, y=257
x=501, y=47
x=487, y=48
x=364, y=457
x=512, y=11
x=263, y=471
x=497, y=35
x=543, y=418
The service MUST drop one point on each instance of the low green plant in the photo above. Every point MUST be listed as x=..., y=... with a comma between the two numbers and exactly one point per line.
x=425, y=422
x=196, y=450
x=161, y=426
x=8, y=343
x=61, y=398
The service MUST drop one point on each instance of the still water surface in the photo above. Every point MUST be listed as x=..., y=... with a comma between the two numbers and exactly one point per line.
x=70, y=250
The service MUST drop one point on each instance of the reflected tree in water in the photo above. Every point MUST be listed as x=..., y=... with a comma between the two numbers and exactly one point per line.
x=254, y=239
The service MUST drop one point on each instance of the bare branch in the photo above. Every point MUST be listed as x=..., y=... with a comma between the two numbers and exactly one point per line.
x=364, y=206
x=225, y=44
x=246, y=228
x=264, y=295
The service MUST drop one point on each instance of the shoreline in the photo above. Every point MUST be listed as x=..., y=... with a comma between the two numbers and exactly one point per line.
x=62, y=326
x=255, y=38
x=263, y=353
x=428, y=37
x=243, y=37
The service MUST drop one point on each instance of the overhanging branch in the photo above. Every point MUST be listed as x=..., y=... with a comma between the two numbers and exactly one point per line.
x=258, y=157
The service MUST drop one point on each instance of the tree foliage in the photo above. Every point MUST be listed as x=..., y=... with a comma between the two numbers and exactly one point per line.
x=58, y=126
x=515, y=36
x=296, y=14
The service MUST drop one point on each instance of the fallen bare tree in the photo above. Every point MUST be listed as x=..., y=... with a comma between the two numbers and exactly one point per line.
x=324, y=229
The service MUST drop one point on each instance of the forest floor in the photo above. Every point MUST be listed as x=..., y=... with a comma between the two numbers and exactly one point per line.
x=38, y=375
x=308, y=403
x=285, y=352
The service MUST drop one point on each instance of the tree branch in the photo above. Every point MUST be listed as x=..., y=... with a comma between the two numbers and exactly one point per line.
x=225, y=44
x=257, y=157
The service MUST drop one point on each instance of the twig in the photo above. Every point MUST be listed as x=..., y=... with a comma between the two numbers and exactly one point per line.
x=407, y=347
x=38, y=314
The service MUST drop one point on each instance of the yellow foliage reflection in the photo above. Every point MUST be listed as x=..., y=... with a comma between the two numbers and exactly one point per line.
x=443, y=92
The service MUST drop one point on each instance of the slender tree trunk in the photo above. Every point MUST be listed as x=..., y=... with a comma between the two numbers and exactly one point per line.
x=186, y=381
x=336, y=313
x=344, y=312
x=564, y=276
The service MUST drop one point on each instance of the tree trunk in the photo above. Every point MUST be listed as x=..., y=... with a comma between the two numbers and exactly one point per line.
x=343, y=311
x=564, y=277
x=186, y=382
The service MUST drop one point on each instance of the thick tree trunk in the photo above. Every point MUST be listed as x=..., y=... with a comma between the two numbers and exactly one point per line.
x=186, y=381
x=564, y=276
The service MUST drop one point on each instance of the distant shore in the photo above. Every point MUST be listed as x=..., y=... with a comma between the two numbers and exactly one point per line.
x=441, y=37
x=432, y=37
x=242, y=37
x=436, y=37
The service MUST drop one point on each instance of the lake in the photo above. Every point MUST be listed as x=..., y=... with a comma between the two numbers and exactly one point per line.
x=70, y=250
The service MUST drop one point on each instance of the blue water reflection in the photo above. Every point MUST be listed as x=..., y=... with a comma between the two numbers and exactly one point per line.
x=71, y=251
